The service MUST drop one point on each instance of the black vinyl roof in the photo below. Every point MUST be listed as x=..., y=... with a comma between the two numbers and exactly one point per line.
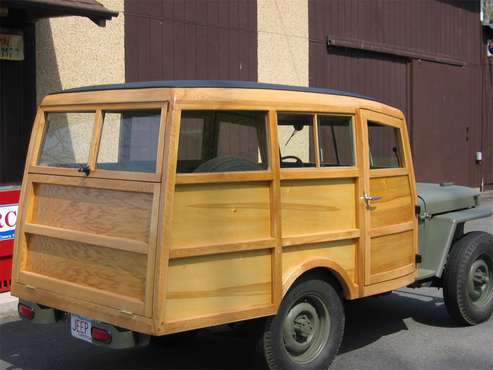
x=212, y=84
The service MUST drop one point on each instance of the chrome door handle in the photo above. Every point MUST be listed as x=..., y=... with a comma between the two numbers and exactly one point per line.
x=368, y=198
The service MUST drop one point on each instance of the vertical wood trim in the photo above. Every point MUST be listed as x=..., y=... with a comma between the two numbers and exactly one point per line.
x=96, y=140
x=152, y=252
x=411, y=178
x=160, y=148
x=172, y=133
x=26, y=197
x=316, y=140
x=275, y=211
x=365, y=166
x=362, y=183
x=37, y=139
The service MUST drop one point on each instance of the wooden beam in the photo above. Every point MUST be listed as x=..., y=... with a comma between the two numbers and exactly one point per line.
x=381, y=48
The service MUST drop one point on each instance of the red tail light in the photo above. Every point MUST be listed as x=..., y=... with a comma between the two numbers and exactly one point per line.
x=25, y=311
x=100, y=335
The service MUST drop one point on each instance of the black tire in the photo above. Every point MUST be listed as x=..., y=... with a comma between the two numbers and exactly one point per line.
x=323, y=347
x=468, y=296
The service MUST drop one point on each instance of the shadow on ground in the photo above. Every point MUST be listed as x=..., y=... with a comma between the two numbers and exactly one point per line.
x=23, y=345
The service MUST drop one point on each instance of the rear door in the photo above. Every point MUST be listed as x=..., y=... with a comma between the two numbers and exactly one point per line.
x=389, y=200
x=90, y=205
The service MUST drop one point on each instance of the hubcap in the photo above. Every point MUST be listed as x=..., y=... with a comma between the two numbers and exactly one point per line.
x=306, y=329
x=481, y=280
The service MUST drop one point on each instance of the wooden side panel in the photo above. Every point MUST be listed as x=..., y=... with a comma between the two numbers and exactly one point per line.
x=317, y=206
x=104, y=269
x=391, y=252
x=208, y=214
x=340, y=252
x=396, y=205
x=120, y=214
x=209, y=285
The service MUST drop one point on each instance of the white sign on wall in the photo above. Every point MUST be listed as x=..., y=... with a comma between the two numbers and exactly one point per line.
x=487, y=13
x=11, y=47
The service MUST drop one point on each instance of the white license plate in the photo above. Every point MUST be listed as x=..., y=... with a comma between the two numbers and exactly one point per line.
x=80, y=327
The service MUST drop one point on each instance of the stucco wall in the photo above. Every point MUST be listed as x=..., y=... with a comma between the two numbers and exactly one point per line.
x=74, y=51
x=283, y=41
x=283, y=56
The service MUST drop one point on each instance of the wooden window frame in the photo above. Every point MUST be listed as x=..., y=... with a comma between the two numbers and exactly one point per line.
x=230, y=176
x=95, y=143
x=319, y=172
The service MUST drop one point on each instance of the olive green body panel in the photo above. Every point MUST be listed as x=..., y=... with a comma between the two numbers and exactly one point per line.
x=442, y=208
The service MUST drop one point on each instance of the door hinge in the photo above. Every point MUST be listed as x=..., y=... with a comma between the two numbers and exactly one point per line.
x=417, y=210
x=419, y=258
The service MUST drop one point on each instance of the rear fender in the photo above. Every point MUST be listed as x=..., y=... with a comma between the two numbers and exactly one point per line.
x=439, y=236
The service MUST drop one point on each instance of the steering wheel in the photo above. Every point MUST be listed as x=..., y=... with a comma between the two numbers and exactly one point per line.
x=298, y=160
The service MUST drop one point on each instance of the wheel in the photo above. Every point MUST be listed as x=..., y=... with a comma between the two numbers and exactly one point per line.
x=307, y=331
x=468, y=279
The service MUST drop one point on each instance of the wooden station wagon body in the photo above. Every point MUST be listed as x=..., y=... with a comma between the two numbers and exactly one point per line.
x=190, y=204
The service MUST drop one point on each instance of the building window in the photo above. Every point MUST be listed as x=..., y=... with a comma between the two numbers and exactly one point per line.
x=336, y=140
x=295, y=136
x=222, y=141
x=385, y=146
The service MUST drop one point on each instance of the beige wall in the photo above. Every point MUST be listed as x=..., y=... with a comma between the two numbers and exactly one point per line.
x=283, y=57
x=74, y=51
x=283, y=41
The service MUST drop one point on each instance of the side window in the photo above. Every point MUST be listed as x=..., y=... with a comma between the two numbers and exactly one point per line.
x=222, y=141
x=385, y=146
x=336, y=140
x=129, y=141
x=295, y=135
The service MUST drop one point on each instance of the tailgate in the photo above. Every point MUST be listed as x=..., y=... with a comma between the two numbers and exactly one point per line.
x=86, y=238
x=90, y=239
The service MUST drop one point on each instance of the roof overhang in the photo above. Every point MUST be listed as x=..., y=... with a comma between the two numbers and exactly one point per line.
x=59, y=8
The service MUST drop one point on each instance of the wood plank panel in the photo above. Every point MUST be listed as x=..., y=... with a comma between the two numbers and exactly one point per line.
x=396, y=205
x=99, y=211
x=220, y=213
x=391, y=252
x=317, y=206
x=104, y=269
x=341, y=252
x=209, y=285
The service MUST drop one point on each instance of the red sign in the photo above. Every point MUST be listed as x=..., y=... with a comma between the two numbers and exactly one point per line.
x=9, y=199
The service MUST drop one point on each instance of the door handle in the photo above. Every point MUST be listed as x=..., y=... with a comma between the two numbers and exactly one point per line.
x=368, y=198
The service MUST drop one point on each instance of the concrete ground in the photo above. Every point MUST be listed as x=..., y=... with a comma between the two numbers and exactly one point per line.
x=408, y=329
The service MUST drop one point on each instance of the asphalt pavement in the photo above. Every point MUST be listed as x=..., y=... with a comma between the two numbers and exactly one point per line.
x=408, y=329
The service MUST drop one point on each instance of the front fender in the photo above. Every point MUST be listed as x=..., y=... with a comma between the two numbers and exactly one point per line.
x=439, y=234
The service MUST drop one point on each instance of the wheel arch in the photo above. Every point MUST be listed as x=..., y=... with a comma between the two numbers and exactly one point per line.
x=324, y=266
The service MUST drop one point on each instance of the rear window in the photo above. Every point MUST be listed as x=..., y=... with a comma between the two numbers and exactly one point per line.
x=129, y=141
x=67, y=139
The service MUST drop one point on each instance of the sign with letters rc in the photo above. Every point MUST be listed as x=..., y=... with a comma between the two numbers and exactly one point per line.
x=8, y=218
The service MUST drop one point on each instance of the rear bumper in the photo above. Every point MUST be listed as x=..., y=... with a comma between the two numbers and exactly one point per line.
x=82, y=307
x=120, y=338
